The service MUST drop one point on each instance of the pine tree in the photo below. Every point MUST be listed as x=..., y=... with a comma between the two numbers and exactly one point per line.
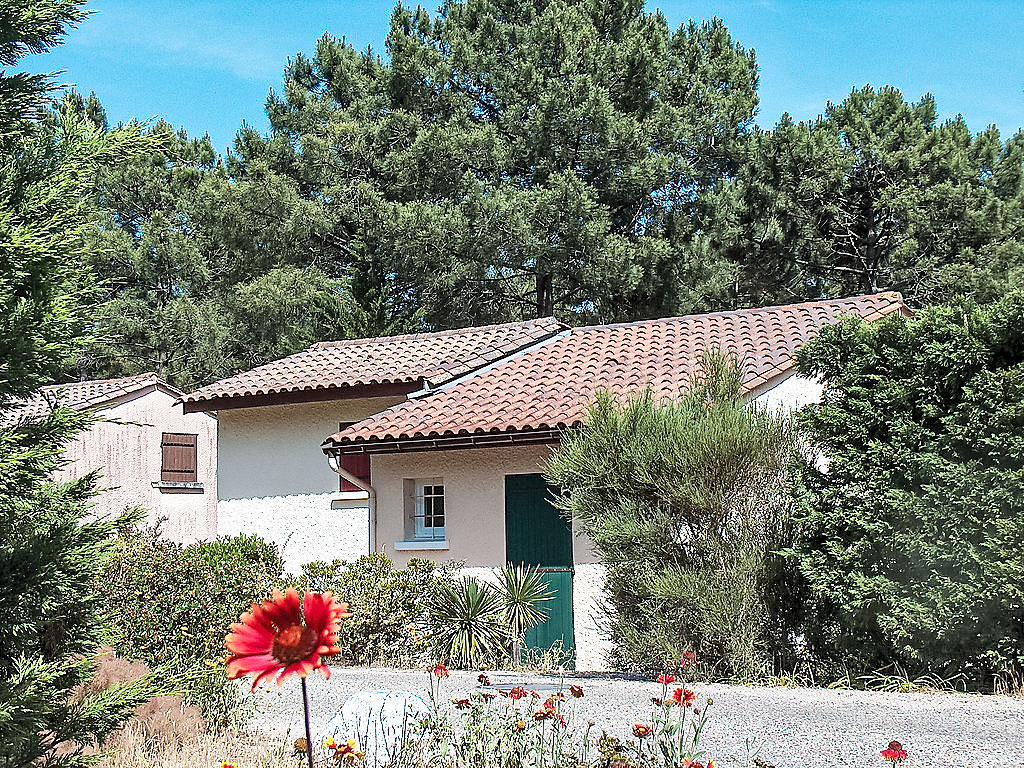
x=512, y=159
x=50, y=550
x=878, y=195
x=199, y=276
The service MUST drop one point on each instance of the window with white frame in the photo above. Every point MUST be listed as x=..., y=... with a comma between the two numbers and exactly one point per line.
x=428, y=518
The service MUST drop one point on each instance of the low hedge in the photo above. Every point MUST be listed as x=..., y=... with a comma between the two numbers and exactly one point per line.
x=171, y=605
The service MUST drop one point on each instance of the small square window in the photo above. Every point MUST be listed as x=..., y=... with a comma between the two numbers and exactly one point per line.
x=426, y=508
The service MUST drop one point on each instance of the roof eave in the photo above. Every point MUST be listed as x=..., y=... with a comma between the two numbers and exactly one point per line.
x=446, y=442
x=293, y=397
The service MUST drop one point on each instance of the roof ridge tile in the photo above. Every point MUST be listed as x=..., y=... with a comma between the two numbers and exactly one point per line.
x=426, y=335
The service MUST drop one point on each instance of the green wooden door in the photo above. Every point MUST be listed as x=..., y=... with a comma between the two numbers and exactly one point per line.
x=536, y=534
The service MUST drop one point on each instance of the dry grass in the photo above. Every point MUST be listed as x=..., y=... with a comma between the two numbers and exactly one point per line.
x=1010, y=683
x=164, y=733
x=134, y=747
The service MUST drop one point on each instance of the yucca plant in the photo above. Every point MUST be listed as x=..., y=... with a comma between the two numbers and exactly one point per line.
x=522, y=590
x=469, y=622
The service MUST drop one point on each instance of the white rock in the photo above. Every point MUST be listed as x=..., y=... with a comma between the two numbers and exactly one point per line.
x=379, y=721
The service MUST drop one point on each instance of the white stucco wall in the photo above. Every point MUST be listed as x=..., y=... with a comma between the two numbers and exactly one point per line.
x=794, y=391
x=274, y=480
x=588, y=601
x=125, y=448
x=305, y=526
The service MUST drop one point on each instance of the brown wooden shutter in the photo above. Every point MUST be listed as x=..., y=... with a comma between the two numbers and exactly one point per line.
x=179, y=458
x=357, y=464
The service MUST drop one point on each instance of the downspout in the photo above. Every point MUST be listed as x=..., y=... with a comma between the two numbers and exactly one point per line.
x=335, y=465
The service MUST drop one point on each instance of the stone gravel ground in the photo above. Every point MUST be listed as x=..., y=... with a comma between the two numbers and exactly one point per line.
x=793, y=726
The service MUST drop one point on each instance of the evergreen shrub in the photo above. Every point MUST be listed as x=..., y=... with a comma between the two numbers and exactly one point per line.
x=686, y=503
x=912, y=524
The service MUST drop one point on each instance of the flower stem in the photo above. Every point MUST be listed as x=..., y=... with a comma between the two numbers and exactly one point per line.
x=305, y=712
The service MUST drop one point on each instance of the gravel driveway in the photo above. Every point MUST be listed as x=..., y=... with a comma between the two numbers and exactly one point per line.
x=794, y=726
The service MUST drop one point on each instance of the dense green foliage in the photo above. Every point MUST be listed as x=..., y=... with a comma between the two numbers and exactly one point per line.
x=878, y=195
x=507, y=160
x=511, y=160
x=390, y=606
x=49, y=547
x=192, y=282
x=171, y=607
x=911, y=532
x=686, y=504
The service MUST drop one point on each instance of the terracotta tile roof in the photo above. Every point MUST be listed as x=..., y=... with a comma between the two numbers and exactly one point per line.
x=551, y=385
x=429, y=357
x=80, y=395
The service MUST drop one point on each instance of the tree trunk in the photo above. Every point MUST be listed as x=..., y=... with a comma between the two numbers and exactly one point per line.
x=545, y=295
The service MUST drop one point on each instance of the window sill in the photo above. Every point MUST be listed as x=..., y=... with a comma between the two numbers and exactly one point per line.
x=424, y=545
x=167, y=486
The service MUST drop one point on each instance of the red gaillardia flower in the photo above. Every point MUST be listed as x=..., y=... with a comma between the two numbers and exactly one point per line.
x=277, y=636
x=440, y=671
x=684, y=697
x=689, y=659
x=576, y=691
x=894, y=753
x=666, y=679
x=642, y=731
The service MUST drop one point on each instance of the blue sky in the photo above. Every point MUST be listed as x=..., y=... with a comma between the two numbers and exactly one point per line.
x=207, y=65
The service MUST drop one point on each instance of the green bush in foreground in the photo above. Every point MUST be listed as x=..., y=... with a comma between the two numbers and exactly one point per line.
x=172, y=605
x=912, y=528
x=686, y=504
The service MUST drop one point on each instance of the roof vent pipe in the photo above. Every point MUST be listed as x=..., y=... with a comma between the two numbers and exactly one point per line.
x=335, y=465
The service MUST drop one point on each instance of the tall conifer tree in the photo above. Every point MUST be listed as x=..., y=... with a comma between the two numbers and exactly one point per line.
x=876, y=195
x=513, y=159
x=49, y=550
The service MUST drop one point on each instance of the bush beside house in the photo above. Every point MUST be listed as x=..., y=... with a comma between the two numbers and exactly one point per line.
x=390, y=606
x=686, y=504
x=171, y=606
x=910, y=529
